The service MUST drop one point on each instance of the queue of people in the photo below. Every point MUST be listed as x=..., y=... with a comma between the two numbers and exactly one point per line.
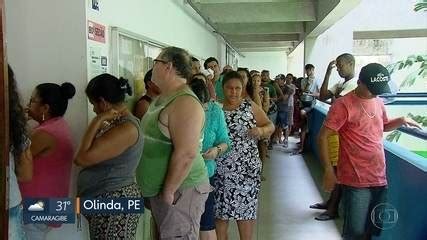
x=195, y=144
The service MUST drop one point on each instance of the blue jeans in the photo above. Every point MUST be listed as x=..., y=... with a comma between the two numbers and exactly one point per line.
x=15, y=223
x=359, y=204
x=36, y=231
x=207, y=221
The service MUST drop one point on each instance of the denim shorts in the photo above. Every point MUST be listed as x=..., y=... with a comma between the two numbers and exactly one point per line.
x=360, y=206
x=272, y=117
x=36, y=231
x=282, y=119
x=15, y=223
x=207, y=221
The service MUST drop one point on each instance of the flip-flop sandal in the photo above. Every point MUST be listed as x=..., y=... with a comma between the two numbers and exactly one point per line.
x=297, y=152
x=285, y=144
x=325, y=217
x=319, y=206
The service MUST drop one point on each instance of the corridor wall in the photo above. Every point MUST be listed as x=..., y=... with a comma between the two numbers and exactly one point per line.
x=47, y=41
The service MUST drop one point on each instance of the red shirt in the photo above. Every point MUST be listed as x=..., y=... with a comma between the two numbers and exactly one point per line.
x=359, y=123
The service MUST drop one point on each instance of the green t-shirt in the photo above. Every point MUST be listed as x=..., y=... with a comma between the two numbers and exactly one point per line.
x=271, y=88
x=158, y=148
x=218, y=89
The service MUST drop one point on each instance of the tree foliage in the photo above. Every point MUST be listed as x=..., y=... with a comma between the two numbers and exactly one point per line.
x=419, y=73
x=420, y=5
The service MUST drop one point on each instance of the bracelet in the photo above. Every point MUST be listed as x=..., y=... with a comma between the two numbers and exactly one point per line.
x=262, y=131
x=219, y=150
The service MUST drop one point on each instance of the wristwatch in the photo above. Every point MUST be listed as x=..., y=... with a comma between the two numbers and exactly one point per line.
x=219, y=149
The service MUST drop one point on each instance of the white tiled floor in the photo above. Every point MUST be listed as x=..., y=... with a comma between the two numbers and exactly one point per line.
x=283, y=208
x=284, y=211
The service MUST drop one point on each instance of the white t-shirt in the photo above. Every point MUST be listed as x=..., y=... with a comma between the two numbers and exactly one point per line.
x=15, y=197
x=312, y=84
x=345, y=87
x=14, y=192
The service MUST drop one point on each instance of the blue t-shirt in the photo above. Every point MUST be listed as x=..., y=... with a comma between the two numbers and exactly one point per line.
x=214, y=133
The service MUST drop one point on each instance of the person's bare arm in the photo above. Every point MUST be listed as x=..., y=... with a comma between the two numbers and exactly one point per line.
x=41, y=143
x=255, y=96
x=141, y=108
x=279, y=92
x=266, y=102
x=215, y=151
x=329, y=178
x=324, y=93
x=398, y=122
x=111, y=144
x=264, y=127
x=185, y=123
x=24, y=167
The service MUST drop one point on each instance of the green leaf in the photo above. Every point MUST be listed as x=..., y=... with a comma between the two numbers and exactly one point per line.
x=419, y=119
x=420, y=5
x=408, y=63
x=393, y=136
x=409, y=80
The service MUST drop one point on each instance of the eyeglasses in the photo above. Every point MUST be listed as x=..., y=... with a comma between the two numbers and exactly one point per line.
x=32, y=100
x=160, y=60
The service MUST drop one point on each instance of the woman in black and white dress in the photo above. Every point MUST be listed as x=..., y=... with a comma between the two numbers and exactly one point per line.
x=238, y=182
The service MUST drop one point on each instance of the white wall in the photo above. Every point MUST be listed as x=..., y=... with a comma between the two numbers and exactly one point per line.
x=387, y=15
x=369, y=15
x=296, y=61
x=170, y=22
x=49, y=46
x=276, y=62
x=47, y=42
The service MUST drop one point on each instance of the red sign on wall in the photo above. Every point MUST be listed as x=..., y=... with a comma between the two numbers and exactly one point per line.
x=96, y=32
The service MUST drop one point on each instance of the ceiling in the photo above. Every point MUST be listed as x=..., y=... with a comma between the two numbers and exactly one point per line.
x=266, y=25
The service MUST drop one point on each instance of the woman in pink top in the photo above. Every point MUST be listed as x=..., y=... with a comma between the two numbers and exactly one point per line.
x=51, y=147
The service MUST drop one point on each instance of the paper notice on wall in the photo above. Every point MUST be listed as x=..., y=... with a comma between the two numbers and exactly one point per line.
x=96, y=31
x=98, y=63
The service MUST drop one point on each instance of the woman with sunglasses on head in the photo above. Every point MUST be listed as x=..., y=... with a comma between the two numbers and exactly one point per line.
x=261, y=97
x=51, y=147
x=109, y=154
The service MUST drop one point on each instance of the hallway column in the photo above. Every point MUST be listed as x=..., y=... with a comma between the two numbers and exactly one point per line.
x=4, y=131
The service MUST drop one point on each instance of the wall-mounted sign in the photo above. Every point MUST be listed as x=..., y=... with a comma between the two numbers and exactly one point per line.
x=96, y=32
x=95, y=5
x=98, y=63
